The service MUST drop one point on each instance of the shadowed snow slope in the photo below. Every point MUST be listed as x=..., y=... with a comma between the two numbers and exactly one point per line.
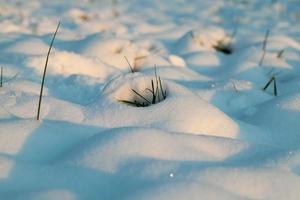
x=271, y=113
x=226, y=184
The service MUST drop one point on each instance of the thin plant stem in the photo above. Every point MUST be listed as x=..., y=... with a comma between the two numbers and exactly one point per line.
x=280, y=53
x=268, y=83
x=44, y=74
x=141, y=96
x=275, y=87
x=131, y=68
x=272, y=79
x=234, y=87
x=264, y=47
x=1, y=77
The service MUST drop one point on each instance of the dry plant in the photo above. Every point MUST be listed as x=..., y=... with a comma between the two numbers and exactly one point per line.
x=1, y=77
x=271, y=80
x=264, y=47
x=157, y=94
x=44, y=73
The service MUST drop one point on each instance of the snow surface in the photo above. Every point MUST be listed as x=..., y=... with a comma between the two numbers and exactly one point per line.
x=217, y=135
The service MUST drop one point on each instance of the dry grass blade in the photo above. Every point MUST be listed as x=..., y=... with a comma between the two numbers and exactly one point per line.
x=264, y=47
x=275, y=87
x=268, y=83
x=163, y=93
x=266, y=40
x=10, y=79
x=234, y=87
x=140, y=58
x=157, y=87
x=280, y=53
x=272, y=79
x=1, y=77
x=153, y=92
x=141, y=96
x=45, y=71
x=130, y=66
x=135, y=103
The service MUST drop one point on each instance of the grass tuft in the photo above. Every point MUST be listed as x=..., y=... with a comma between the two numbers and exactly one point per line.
x=44, y=74
x=157, y=94
x=223, y=47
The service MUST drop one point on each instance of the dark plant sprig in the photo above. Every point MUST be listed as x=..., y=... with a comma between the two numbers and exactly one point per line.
x=272, y=79
x=234, y=87
x=44, y=73
x=153, y=92
x=133, y=103
x=9, y=79
x=280, y=53
x=141, y=96
x=226, y=46
x=157, y=81
x=163, y=92
x=264, y=47
x=223, y=47
x=156, y=91
x=1, y=77
x=130, y=66
x=275, y=87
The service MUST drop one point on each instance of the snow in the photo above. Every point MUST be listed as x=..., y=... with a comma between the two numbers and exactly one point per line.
x=122, y=145
x=272, y=112
x=226, y=184
x=216, y=135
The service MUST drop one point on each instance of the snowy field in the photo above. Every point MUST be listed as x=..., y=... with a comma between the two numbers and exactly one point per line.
x=217, y=118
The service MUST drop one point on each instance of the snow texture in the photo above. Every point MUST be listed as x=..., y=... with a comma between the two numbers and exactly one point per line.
x=212, y=132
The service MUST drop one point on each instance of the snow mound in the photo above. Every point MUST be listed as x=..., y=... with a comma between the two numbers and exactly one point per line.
x=181, y=111
x=109, y=150
x=68, y=63
x=281, y=116
x=6, y=166
x=21, y=100
x=178, y=73
x=110, y=50
x=203, y=40
x=47, y=195
x=265, y=183
x=13, y=134
x=177, y=61
x=29, y=46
